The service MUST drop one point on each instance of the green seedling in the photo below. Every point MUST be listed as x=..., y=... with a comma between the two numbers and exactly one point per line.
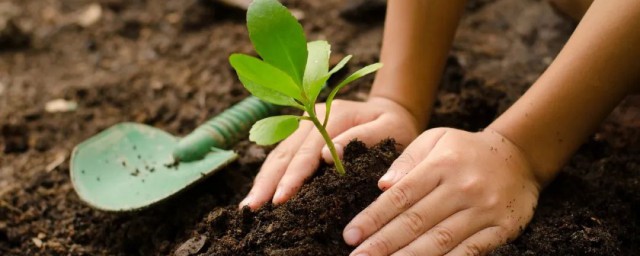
x=291, y=73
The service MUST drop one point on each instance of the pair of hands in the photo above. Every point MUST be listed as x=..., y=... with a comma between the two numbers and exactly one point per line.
x=450, y=192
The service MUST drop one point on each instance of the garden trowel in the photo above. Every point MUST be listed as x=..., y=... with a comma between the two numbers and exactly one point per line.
x=130, y=166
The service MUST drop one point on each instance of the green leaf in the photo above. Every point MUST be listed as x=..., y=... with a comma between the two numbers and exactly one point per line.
x=340, y=65
x=356, y=75
x=317, y=86
x=316, y=71
x=258, y=72
x=270, y=95
x=278, y=37
x=273, y=129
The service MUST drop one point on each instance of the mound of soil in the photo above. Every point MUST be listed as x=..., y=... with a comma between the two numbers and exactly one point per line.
x=310, y=223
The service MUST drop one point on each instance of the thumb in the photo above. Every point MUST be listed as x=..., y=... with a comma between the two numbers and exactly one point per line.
x=418, y=150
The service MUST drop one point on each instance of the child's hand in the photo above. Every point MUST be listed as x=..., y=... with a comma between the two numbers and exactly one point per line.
x=297, y=157
x=451, y=192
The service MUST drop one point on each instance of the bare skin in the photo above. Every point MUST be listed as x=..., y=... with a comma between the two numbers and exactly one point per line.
x=453, y=192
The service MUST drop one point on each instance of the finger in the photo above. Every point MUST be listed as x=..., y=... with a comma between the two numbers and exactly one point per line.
x=412, y=223
x=417, y=150
x=264, y=184
x=305, y=161
x=391, y=203
x=368, y=133
x=480, y=243
x=447, y=234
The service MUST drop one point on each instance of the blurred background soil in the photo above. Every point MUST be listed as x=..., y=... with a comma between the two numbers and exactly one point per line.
x=71, y=68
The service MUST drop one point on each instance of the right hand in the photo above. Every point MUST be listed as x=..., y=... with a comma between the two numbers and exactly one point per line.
x=297, y=157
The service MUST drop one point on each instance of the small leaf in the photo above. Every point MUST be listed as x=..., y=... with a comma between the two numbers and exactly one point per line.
x=315, y=74
x=317, y=86
x=273, y=129
x=356, y=75
x=258, y=72
x=269, y=95
x=278, y=37
x=340, y=65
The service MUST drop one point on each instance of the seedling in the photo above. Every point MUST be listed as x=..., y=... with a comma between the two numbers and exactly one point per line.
x=291, y=73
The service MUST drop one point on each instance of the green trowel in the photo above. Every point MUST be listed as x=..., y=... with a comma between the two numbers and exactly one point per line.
x=131, y=166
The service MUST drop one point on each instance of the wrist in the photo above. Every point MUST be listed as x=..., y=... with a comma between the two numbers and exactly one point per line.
x=419, y=122
x=412, y=99
x=540, y=169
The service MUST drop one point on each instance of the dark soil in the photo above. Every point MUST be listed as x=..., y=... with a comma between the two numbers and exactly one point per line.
x=311, y=222
x=164, y=63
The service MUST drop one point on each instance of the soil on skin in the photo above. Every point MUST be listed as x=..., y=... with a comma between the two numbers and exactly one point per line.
x=165, y=64
x=311, y=223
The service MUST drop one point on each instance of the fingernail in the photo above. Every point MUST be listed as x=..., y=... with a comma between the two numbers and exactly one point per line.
x=277, y=198
x=246, y=201
x=362, y=254
x=388, y=177
x=352, y=236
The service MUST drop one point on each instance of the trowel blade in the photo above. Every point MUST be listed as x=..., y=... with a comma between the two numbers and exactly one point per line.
x=130, y=166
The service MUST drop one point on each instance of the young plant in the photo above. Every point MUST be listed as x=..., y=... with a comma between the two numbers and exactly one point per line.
x=291, y=73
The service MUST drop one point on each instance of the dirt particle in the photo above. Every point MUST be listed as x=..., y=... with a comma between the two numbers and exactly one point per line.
x=173, y=165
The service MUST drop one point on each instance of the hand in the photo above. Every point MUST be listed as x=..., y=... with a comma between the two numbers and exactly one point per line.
x=297, y=157
x=450, y=192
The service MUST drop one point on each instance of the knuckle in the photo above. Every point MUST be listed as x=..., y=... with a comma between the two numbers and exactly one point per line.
x=399, y=196
x=492, y=201
x=381, y=245
x=448, y=158
x=502, y=231
x=371, y=219
x=403, y=163
x=473, y=249
x=509, y=228
x=279, y=154
x=472, y=185
x=307, y=150
x=408, y=252
x=413, y=221
x=442, y=237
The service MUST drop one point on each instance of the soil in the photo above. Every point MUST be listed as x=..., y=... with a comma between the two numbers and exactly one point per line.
x=311, y=222
x=164, y=63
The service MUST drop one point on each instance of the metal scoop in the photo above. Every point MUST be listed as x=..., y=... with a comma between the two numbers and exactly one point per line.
x=131, y=166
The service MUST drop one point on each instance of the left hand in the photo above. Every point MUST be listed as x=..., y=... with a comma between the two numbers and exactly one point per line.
x=450, y=192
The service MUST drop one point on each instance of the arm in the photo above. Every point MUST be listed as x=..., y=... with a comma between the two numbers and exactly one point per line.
x=416, y=42
x=599, y=65
x=459, y=193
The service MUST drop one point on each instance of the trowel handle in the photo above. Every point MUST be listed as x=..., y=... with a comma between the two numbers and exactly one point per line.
x=223, y=130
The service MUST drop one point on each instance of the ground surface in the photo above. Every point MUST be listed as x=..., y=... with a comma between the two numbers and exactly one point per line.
x=164, y=63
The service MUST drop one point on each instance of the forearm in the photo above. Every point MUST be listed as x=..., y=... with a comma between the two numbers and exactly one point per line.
x=417, y=39
x=598, y=66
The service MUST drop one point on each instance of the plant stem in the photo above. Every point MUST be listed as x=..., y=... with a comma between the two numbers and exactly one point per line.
x=330, y=145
